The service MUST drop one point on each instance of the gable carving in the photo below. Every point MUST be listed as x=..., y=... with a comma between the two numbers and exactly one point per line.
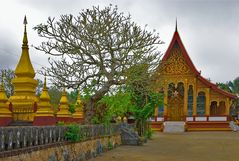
x=175, y=64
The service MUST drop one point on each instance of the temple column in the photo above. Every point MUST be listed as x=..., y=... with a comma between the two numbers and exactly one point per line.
x=207, y=108
x=195, y=97
x=227, y=103
x=185, y=105
x=155, y=113
x=165, y=101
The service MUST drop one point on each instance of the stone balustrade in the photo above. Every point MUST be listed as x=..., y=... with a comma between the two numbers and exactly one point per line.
x=12, y=138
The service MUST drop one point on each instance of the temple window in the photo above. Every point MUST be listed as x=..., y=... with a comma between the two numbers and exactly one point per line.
x=201, y=104
x=181, y=89
x=171, y=89
x=190, y=100
x=160, y=110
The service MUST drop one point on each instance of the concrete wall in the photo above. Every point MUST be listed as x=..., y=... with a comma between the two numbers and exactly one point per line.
x=38, y=143
x=80, y=151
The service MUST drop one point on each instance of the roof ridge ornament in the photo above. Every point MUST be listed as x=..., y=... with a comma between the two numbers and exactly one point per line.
x=176, y=25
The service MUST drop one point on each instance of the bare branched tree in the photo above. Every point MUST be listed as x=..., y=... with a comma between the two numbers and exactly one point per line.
x=7, y=75
x=96, y=48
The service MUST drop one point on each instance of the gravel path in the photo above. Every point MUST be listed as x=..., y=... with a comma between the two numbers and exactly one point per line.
x=190, y=146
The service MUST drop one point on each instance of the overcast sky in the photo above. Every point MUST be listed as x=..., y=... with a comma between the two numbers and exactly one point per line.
x=209, y=29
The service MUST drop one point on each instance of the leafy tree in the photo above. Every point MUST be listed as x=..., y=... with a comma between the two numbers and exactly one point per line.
x=112, y=106
x=143, y=95
x=96, y=48
x=8, y=75
x=72, y=96
x=55, y=95
x=136, y=98
x=232, y=87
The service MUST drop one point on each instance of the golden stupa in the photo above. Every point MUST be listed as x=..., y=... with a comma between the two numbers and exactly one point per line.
x=24, y=99
x=44, y=114
x=5, y=113
x=78, y=115
x=64, y=114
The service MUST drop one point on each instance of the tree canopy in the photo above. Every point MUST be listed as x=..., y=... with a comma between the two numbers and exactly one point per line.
x=96, y=48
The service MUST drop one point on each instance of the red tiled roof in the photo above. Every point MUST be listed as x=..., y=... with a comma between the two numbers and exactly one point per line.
x=176, y=38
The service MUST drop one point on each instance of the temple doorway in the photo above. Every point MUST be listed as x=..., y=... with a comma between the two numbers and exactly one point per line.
x=175, y=102
x=217, y=109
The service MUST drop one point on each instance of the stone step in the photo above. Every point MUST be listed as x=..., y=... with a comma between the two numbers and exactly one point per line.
x=20, y=123
x=174, y=126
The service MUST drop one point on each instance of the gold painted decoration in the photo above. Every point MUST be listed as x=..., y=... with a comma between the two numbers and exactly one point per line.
x=176, y=64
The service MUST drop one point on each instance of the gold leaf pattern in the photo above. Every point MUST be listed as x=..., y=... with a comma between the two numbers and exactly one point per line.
x=176, y=63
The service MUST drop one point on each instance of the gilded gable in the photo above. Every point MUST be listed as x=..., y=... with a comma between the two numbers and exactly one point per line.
x=175, y=64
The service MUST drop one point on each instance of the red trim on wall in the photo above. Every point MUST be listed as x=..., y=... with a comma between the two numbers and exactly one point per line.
x=65, y=119
x=44, y=120
x=5, y=121
x=78, y=120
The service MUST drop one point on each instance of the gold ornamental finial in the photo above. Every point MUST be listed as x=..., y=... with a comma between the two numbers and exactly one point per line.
x=25, y=20
x=79, y=94
x=78, y=100
x=25, y=41
x=44, y=85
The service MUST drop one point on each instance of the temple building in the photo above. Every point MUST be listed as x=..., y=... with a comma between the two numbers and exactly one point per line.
x=188, y=96
x=24, y=106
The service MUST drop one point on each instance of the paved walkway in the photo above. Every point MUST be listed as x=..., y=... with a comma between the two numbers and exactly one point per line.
x=190, y=146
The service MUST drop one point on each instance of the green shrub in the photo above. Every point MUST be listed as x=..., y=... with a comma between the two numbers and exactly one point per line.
x=73, y=133
x=72, y=108
x=60, y=123
x=110, y=145
x=149, y=133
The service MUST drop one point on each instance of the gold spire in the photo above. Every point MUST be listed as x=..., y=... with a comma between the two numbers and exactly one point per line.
x=44, y=106
x=24, y=67
x=44, y=95
x=64, y=106
x=78, y=101
x=78, y=108
x=44, y=85
x=24, y=96
x=64, y=100
x=25, y=41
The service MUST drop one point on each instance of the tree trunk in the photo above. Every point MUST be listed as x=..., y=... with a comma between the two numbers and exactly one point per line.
x=90, y=105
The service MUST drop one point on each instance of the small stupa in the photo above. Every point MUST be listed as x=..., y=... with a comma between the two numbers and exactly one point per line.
x=64, y=115
x=5, y=113
x=78, y=115
x=44, y=114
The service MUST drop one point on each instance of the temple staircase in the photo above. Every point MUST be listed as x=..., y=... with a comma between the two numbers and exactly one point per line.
x=174, y=126
x=129, y=136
